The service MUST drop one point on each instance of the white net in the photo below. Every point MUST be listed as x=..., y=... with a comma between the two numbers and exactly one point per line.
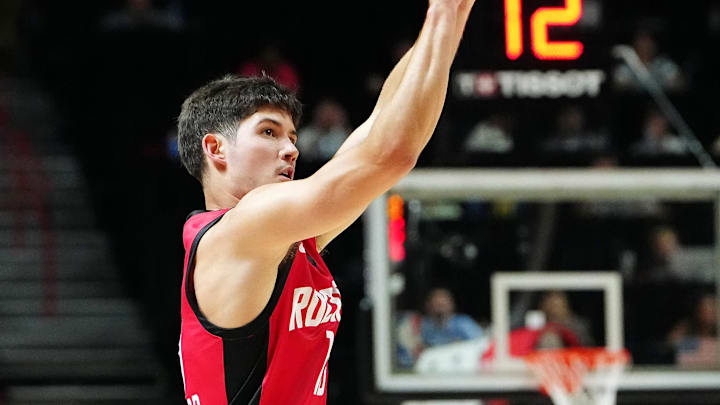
x=579, y=376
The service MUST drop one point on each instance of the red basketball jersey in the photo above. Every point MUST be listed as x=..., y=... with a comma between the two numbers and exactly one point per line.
x=278, y=358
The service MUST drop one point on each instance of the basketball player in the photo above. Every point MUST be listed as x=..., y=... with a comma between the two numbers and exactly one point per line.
x=259, y=307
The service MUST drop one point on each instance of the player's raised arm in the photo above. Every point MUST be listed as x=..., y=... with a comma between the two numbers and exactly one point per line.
x=387, y=93
x=393, y=80
x=279, y=214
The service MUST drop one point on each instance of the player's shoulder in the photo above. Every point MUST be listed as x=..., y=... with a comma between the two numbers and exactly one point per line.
x=197, y=222
x=229, y=235
x=201, y=218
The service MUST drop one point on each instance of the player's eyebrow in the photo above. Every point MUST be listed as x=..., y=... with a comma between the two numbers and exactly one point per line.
x=276, y=123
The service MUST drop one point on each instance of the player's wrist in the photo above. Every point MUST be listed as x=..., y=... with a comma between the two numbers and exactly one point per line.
x=442, y=11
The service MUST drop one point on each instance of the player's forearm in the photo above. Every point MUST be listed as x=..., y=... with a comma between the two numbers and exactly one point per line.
x=398, y=72
x=406, y=122
x=393, y=81
x=388, y=91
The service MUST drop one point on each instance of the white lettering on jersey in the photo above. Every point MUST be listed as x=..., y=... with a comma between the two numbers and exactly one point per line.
x=301, y=248
x=301, y=297
x=194, y=400
x=314, y=320
x=314, y=307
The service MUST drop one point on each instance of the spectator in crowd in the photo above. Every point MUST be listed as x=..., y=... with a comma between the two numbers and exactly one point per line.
x=657, y=138
x=695, y=339
x=669, y=260
x=556, y=307
x=322, y=137
x=441, y=324
x=490, y=136
x=271, y=61
x=688, y=263
x=552, y=325
x=572, y=135
x=143, y=14
x=666, y=72
x=664, y=245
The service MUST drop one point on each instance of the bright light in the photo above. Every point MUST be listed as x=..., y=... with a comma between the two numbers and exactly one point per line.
x=549, y=16
x=540, y=21
x=396, y=228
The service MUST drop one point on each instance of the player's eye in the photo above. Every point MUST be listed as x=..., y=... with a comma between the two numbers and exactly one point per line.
x=269, y=132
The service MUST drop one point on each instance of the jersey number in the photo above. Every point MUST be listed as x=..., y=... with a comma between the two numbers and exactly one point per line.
x=322, y=377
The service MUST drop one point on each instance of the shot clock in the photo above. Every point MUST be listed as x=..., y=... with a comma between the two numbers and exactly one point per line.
x=533, y=49
x=542, y=19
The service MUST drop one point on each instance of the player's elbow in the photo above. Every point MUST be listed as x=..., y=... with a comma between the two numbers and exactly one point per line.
x=399, y=160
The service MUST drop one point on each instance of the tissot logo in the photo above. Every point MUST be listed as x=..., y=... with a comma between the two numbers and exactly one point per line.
x=529, y=84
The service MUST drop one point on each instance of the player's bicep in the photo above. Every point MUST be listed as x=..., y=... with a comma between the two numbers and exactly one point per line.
x=283, y=213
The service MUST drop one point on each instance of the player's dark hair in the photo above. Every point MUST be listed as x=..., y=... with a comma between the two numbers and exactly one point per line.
x=220, y=106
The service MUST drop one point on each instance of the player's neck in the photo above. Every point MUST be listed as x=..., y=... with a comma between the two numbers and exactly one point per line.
x=215, y=201
x=218, y=197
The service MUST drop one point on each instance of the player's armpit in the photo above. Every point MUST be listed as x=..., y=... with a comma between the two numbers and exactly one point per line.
x=324, y=240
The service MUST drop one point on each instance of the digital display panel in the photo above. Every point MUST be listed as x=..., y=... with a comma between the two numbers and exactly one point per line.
x=518, y=49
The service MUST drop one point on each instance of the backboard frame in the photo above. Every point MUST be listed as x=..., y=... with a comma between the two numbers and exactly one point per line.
x=527, y=185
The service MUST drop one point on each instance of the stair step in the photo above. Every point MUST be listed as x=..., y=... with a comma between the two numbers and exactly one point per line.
x=53, y=198
x=74, y=356
x=62, y=238
x=39, y=254
x=91, y=271
x=71, y=214
x=95, y=348
x=73, y=332
x=11, y=180
x=84, y=395
x=135, y=363
x=48, y=163
x=68, y=306
x=63, y=289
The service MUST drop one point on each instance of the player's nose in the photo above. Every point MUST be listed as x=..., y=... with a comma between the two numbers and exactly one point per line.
x=289, y=152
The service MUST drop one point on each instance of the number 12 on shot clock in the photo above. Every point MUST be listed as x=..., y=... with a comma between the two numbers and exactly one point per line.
x=540, y=21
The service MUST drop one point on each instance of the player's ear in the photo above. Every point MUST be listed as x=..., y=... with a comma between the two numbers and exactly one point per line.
x=215, y=148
